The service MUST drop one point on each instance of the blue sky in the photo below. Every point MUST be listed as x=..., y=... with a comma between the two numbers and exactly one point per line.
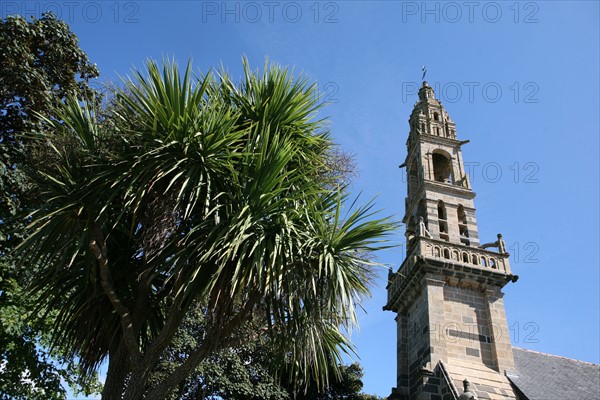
x=520, y=79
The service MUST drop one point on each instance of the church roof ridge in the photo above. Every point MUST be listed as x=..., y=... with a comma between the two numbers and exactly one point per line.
x=556, y=356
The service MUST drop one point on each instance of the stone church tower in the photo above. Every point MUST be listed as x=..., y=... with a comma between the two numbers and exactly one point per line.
x=451, y=322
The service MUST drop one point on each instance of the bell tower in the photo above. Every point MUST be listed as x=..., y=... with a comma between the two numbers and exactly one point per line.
x=451, y=321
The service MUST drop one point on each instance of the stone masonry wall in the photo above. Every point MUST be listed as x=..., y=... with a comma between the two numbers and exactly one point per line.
x=467, y=331
x=413, y=346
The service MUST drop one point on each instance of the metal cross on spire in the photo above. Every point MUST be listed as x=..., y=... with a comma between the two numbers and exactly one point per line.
x=424, y=70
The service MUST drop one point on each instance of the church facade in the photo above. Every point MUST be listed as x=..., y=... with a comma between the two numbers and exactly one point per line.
x=453, y=340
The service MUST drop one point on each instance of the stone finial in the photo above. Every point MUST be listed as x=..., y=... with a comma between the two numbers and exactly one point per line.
x=500, y=244
x=391, y=275
x=467, y=386
x=467, y=394
x=426, y=92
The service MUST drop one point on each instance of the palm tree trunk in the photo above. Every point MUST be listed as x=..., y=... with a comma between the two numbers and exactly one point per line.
x=117, y=372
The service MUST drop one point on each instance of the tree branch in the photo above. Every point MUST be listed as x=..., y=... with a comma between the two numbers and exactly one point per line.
x=152, y=354
x=141, y=304
x=99, y=249
x=163, y=389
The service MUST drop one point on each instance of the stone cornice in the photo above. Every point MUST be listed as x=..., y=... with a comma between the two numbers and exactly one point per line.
x=442, y=187
x=439, y=139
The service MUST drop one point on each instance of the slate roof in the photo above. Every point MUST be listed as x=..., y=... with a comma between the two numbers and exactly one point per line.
x=542, y=376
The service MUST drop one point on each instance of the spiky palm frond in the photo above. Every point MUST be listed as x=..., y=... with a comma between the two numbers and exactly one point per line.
x=200, y=190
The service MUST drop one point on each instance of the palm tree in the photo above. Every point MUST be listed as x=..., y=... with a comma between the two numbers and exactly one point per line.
x=195, y=190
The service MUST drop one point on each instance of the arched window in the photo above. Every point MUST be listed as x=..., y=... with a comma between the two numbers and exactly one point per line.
x=447, y=253
x=443, y=224
x=462, y=216
x=463, y=228
x=465, y=257
x=441, y=210
x=483, y=262
x=442, y=167
x=436, y=116
x=422, y=211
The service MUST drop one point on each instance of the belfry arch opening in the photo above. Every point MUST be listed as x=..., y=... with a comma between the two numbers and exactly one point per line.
x=442, y=221
x=463, y=228
x=442, y=167
x=441, y=210
x=462, y=216
x=422, y=211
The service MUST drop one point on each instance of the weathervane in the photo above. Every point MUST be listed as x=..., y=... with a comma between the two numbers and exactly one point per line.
x=424, y=70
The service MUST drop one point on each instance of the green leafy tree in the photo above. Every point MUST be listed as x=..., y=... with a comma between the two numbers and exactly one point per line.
x=244, y=372
x=346, y=385
x=251, y=371
x=193, y=189
x=40, y=64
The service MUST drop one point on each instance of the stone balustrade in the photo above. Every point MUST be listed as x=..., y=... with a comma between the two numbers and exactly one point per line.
x=475, y=256
x=440, y=250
